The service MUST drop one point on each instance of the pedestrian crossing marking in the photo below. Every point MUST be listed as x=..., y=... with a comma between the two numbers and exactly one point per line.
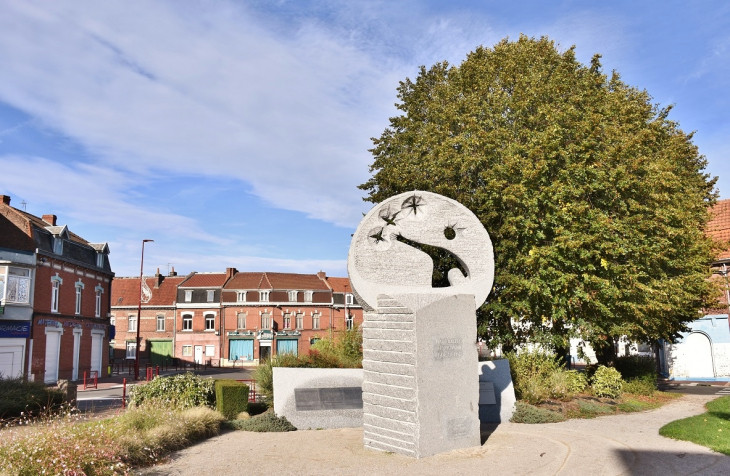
x=724, y=391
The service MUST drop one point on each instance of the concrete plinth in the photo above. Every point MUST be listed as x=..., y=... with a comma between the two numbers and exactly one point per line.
x=419, y=355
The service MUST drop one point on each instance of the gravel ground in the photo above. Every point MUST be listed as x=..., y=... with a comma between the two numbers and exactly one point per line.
x=620, y=444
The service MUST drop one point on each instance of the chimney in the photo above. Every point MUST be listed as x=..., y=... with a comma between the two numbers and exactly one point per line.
x=158, y=279
x=322, y=275
x=50, y=219
x=5, y=199
x=230, y=272
x=173, y=273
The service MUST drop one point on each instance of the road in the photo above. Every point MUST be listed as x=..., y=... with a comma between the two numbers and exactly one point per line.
x=695, y=388
x=109, y=396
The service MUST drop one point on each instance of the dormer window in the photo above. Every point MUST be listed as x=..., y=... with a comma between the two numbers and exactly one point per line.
x=211, y=295
x=188, y=296
x=241, y=296
x=308, y=296
x=58, y=245
x=293, y=296
x=100, y=260
x=349, y=299
x=264, y=296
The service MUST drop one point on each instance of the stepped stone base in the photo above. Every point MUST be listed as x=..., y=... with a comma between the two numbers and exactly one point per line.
x=419, y=396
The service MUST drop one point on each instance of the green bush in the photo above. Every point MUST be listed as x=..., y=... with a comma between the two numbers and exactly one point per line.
x=537, y=376
x=526, y=413
x=178, y=391
x=266, y=422
x=607, y=382
x=645, y=386
x=577, y=381
x=28, y=398
x=636, y=367
x=591, y=409
x=231, y=397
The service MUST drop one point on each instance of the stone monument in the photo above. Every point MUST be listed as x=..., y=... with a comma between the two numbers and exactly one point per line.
x=420, y=391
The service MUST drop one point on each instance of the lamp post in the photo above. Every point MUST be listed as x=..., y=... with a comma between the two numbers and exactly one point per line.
x=139, y=312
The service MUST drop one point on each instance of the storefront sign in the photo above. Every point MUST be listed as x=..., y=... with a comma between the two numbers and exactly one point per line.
x=14, y=328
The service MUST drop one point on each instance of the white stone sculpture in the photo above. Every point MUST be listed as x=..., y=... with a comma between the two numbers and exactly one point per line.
x=420, y=394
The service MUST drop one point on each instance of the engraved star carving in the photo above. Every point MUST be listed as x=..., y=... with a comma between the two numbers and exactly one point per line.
x=378, y=237
x=413, y=203
x=388, y=218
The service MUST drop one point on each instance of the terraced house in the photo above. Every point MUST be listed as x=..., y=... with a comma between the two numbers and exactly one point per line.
x=54, y=299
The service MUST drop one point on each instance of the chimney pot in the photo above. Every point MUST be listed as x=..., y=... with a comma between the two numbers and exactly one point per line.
x=50, y=219
x=230, y=272
x=322, y=275
x=5, y=199
x=173, y=273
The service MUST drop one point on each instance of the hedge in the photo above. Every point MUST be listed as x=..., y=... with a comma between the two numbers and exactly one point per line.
x=231, y=397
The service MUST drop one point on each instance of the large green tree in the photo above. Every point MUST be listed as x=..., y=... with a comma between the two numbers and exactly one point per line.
x=595, y=201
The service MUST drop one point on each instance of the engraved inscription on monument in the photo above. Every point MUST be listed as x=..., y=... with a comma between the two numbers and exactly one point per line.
x=446, y=348
x=342, y=398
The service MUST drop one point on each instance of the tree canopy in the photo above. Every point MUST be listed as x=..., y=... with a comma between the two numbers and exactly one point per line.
x=595, y=201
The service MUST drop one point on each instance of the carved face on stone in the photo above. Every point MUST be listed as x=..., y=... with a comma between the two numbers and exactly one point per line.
x=387, y=255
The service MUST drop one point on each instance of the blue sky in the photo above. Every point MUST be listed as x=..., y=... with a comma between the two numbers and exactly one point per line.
x=235, y=133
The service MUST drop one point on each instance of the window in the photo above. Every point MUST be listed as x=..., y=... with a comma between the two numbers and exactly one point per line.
x=188, y=296
x=58, y=245
x=210, y=351
x=132, y=327
x=112, y=320
x=79, y=287
x=241, y=320
x=287, y=321
x=161, y=322
x=187, y=350
x=293, y=296
x=131, y=350
x=18, y=289
x=210, y=322
x=349, y=299
x=300, y=320
x=349, y=322
x=55, y=285
x=265, y=320
x=187, y=322
x=211, y=295
x=308, y=296
x=315, y=320
x=241, y=296
x=97, y=301
x=100, y=260
x=264, y=296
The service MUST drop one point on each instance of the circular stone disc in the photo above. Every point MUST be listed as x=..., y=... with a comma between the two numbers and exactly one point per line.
x=379, y=262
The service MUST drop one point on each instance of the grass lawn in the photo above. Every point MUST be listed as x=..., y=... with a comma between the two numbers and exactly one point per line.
x=711, y=429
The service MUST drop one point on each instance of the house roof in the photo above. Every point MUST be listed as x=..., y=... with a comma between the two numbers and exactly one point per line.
x=340, y=285
x=204, y=280
x=719, y=226
x=267, y=280
x=125, y=291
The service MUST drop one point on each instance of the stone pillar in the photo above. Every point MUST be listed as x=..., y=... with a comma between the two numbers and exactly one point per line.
x=418, y=396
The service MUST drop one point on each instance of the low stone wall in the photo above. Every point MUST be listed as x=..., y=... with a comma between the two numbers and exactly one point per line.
x=496, y=393
x=319, y=398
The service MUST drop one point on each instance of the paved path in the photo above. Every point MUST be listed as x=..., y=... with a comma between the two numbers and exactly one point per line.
x=621, y=444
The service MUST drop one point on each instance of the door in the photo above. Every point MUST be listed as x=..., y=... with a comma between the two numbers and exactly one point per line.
x=698, y=352
x=264, y=353
x=53, y=347
x=96, y=353
x=160, y=351
x=11, y=361
x=77, y=346
x=198, y=354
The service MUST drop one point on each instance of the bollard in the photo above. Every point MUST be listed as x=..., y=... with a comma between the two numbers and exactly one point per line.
x=124, y=393
x=158, y=370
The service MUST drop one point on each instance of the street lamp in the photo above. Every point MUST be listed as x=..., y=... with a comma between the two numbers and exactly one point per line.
x=139, y=312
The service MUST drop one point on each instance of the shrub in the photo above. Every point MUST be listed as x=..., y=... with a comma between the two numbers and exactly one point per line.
x=526, y=413
x=591, y=409
x=577, y=381
x=266, y=422
x=607, y=382
x=646, y=386
x=537, y=376
x=231, y=397
x=179, y=391
x=28, y=398
x=636, y=367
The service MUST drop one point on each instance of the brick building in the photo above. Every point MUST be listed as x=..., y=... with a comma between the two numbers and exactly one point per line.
x=57, y=285
x=157, y=317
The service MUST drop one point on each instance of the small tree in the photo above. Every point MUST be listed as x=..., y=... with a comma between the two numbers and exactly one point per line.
x=595, y=201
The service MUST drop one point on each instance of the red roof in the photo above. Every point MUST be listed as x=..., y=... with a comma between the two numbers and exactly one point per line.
x=266, y=280
x=205, y=280
x=719, y=226
x=125, y=291
x=340, y=285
